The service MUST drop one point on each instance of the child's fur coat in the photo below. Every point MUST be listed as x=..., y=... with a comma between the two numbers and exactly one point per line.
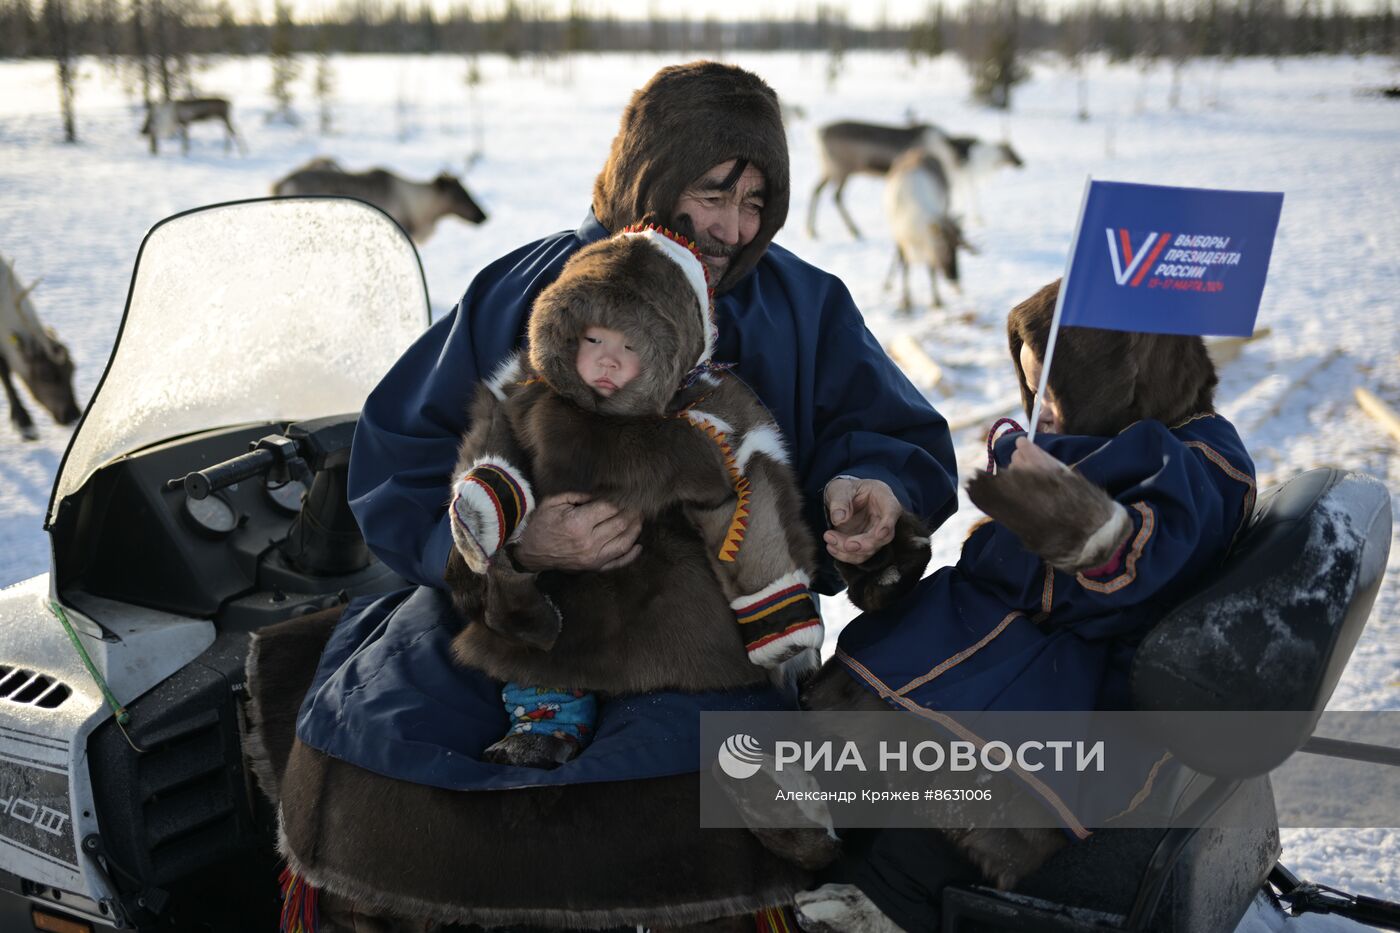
x=704, y=465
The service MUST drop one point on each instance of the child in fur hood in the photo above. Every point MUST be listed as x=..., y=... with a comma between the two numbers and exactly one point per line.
x=1133, y=491
x=618, y=398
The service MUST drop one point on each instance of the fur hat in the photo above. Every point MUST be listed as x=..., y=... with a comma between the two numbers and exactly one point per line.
x=686, y=120
x=1104, y=380
x=646, y=283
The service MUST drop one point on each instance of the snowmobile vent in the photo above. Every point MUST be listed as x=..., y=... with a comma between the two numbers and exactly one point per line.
x=31, y=688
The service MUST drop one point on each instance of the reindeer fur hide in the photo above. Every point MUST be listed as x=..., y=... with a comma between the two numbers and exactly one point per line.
x=410, y=850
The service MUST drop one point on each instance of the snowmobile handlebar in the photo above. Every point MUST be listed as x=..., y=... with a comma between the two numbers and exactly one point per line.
x=270, y=452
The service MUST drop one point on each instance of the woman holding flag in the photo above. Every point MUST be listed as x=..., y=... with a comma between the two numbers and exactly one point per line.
x=1133, y=489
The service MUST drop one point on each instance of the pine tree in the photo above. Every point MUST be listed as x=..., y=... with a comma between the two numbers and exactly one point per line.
x=284, y=65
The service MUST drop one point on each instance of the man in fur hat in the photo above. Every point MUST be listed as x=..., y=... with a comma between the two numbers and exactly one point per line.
x=701, y=145
x=703, y=141
x=391, y=723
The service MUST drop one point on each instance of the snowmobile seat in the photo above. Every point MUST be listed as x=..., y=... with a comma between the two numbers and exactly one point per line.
x=1272, y=631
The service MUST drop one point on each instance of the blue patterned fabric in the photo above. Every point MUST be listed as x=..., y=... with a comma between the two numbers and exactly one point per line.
x=567, y=714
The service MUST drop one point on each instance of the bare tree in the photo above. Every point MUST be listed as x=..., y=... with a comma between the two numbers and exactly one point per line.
x=324, y=82
x=927, y=36
x=991, y=46
x=1074, y=43
x=477, y=130
x=60, y=41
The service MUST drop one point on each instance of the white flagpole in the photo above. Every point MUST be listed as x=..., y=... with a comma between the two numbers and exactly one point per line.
x=1059, y=307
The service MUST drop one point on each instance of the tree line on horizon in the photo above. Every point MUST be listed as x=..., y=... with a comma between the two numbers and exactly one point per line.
x=163, y=42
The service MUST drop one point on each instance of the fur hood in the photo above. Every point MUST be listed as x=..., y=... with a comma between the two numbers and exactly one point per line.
x=686, y=120
x=646, y=283
x=1104, y=380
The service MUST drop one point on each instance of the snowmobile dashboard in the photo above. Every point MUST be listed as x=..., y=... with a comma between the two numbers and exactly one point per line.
x=244, y=525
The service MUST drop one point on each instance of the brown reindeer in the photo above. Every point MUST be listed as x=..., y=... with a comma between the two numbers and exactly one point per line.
x=164, y=118
x=34, y=354
x=848, y=148
x=415, y=206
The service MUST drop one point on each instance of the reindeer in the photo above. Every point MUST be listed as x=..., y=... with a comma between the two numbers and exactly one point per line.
x=917, y=204
x=848, y=148
x=975, y=159
x=166, y=117
x=415, y=206
x=32, y=352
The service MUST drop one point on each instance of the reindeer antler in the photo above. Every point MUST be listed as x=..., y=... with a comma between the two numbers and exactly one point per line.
x=24, y=292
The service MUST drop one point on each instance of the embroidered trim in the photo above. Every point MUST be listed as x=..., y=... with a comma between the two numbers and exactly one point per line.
x=795, y=627
x=1143, y=792
x=681, y=251
x=1129, y=574
x=961, y=656
x=952, y=725
x=772, y=920
x=1219, y=460
x=1196, y=417
x=739, y=524
x=1047, y=592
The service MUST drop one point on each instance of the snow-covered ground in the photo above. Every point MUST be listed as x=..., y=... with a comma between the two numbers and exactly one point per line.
x=75, y=215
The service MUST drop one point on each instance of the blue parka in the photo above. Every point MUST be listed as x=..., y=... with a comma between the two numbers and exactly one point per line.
x=1001, y=630
x=389, y=697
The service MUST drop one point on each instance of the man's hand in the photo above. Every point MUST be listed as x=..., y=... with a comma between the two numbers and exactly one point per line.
x=862, y=513
x=572, y=532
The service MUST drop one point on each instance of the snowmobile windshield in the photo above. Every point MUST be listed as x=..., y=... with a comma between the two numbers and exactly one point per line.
x=248, y=312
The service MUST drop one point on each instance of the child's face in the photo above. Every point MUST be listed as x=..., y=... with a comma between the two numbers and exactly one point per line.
x=605, y=362
x=1049, y=410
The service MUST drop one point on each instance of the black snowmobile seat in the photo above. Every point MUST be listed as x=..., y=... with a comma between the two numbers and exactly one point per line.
x=1274, y=629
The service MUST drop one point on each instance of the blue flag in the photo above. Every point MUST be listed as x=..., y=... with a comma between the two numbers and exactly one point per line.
x=1170, y=260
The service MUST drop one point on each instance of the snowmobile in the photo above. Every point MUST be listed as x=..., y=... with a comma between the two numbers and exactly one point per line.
x=202, y=499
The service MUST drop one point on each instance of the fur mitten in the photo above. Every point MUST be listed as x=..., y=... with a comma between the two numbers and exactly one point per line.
x=779, y=621
x=892, y=571
x=489, y=506
x=1058, y=514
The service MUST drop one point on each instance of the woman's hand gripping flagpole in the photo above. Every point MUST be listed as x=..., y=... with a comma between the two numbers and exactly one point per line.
x=1059, y=308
